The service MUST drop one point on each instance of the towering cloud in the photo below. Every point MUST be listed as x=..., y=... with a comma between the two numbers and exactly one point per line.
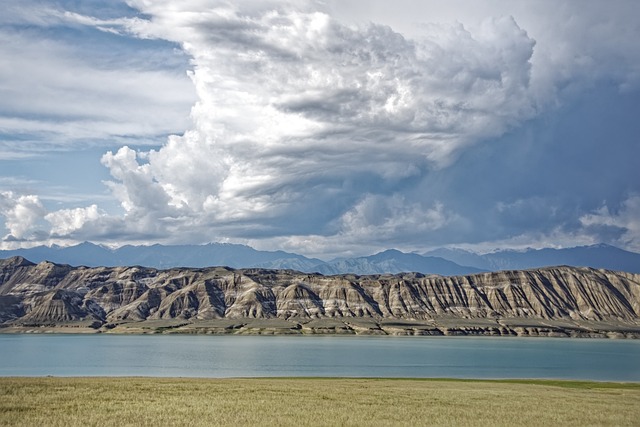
x=299, y=113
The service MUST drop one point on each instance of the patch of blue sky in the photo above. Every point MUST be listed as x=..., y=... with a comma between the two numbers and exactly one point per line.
x=107, y=50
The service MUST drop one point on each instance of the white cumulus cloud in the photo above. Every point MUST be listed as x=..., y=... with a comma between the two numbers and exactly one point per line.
x=67, y=221
x=21, y=212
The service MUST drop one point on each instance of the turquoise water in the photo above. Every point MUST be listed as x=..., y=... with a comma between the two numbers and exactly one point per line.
x=325, y=356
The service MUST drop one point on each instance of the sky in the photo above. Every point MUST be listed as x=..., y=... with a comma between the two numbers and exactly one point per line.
x=326, y=128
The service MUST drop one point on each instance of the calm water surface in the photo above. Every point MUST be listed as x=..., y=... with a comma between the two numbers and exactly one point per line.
x=326, y=356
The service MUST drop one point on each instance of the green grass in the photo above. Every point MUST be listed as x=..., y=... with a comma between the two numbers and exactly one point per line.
x=313, y=401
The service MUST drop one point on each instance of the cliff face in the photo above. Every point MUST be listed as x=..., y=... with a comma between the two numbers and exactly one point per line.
x=591, y=300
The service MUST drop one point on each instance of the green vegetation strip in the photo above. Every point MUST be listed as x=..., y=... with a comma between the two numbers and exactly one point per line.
x=314, y=401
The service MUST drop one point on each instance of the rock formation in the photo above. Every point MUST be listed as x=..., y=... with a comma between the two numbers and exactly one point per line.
x=563, y=301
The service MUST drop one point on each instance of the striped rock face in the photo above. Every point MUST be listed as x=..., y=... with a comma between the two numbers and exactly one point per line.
x=573, y=301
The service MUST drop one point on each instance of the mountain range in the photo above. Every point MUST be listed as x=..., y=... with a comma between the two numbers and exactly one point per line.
x=444, y=261
x=594, y=256
x=555, y=301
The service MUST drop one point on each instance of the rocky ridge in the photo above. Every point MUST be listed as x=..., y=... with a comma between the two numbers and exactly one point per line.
x=556, y=301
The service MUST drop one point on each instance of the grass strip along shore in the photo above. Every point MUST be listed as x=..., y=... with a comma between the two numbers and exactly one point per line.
x=115, y=401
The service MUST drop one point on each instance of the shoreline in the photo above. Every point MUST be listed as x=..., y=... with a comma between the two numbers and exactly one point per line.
x=533, y=328
x=548, y=382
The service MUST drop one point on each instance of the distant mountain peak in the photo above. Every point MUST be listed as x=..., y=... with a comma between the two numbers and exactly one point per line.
x=602, y=246
x=387, y=253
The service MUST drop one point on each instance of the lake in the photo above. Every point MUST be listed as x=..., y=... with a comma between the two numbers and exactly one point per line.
x=322, y=356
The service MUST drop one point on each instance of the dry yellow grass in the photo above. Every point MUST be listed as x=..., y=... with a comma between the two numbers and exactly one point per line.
x=209, y=402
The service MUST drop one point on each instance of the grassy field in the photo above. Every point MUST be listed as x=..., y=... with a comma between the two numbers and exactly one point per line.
x=299, y=402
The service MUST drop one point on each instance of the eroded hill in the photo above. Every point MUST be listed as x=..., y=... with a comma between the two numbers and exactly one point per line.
x=559, y=301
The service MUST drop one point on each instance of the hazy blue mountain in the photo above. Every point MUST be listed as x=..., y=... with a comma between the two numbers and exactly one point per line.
x=236, y=256
x=161, y=256
x=82, y=254
x=231, y=255
x=595, y=256
x=306, y=265
x=440, y=261
x=462, y=257
x=394, y=261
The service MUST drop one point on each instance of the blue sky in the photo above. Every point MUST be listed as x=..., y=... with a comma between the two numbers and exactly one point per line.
x=326, y=128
